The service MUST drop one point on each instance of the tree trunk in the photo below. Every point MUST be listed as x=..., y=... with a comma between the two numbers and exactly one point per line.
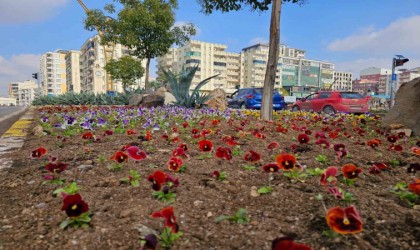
x=273, y=57
x=146, y=80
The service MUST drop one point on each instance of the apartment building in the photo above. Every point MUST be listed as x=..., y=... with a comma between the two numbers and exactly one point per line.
x=213, y=59
x=52, y=75
x=24, y=92
x=342, y=81
x=73, y=71
x=295, y=74
x=93, y=77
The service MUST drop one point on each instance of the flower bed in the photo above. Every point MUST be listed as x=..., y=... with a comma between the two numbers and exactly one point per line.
x=125, y=178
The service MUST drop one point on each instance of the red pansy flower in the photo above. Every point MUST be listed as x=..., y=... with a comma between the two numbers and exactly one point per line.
x=185, y=125
x=320, y=135
x=323, y=143
x=205, y=132
x=303, y=138
x=194, y=131
x=120, y=157
x=328, y=177
x=308, y=132
x=180, y=152
x=87, y=135
x=136, y=154
x=392, y=138
x=215, y=122
x=175, y=164
x=335, y=192
x=56, y=167
x=225, y=153
x=281, y=130
x=183, y=146
x=413, y=168
x=252, y=156
x=333, y=134
x=170, y=179
x=416, y=150
x=168, y=214
x=287, y=243
x=130, y=132
x=344, y=221
x=108, y=132
x=230, y=140
x=215, y=174
x=202, y=123
x=397, y=148
x=272, y=145
x=271, y=167
x=401, y=134
x=373, y=143
x=38, y=153
x=158, y=178
x=74, y=205
x=286, y=161
x=350, y=171
x=414, y=186
x=381, y=166
x=205, y=145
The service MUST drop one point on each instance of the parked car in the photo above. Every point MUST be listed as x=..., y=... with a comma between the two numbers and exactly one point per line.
x=250, y=98
x=332, y=102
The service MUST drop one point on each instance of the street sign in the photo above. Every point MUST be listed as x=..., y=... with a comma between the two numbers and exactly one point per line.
x=394, y=77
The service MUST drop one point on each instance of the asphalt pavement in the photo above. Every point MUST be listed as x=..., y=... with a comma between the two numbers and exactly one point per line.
x=8, y=115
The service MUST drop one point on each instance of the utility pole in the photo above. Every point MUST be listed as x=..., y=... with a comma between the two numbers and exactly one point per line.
x=396, y=62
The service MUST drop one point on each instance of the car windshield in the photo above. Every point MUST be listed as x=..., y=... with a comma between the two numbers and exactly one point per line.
x=351, y=95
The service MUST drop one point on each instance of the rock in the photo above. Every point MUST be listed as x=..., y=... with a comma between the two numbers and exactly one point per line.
x=406, y=108
x=85, y=167
x=161, y=91
x=217, y=99
x=135, y=99
x=31, y=182
x=41, y=205
x=152, y=100
x=209, y=214
x=38, y=131
x=254, y=191
x=198, y=203
x=169, y=98
x=406, y=131
x=144, y=230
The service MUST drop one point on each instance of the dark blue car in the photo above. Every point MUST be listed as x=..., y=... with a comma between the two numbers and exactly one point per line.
x=250, y=98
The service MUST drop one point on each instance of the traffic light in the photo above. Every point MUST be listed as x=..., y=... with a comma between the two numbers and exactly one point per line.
x=35, y=75
x=400, y=61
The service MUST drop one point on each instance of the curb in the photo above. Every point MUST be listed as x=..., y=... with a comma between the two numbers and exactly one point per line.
x=14, y=138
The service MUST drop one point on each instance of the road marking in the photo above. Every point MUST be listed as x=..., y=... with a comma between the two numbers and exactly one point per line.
x=19, y=128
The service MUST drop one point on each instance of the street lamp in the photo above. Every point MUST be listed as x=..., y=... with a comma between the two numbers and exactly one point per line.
x=397, y=61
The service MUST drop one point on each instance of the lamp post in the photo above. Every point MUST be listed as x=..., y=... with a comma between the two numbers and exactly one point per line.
x=397, y=61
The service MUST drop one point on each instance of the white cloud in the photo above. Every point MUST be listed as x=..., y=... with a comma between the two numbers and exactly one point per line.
x=257, y=40
x=399, y=36
x=355, y=66
x=25, y=11
x=182, y=23
x=17, y=68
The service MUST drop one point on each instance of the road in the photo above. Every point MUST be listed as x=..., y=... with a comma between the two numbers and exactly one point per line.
x=7, y=118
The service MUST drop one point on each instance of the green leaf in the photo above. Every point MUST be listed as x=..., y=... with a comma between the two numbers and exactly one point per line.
x=265, y=190
x=249, y=167
x=221, y=218
x=64, y=223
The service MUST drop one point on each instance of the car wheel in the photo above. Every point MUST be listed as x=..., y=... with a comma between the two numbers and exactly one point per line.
x=243, y=106
x=295, y=108
x=328, y=110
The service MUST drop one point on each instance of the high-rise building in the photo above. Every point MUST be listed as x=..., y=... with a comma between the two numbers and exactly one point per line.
x=212, y=60
x=52, y=75
x=92, y=62
x=24, y=92
x=407, y=76
x=295, y=74
x=73, y=71
x=342, y=81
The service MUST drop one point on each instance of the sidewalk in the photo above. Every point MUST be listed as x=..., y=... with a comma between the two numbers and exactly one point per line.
x=14, y=138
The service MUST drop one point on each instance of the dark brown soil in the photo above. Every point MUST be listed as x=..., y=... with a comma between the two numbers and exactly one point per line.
x=30, y=214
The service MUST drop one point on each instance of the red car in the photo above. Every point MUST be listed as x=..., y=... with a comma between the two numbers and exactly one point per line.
x=332, y=102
